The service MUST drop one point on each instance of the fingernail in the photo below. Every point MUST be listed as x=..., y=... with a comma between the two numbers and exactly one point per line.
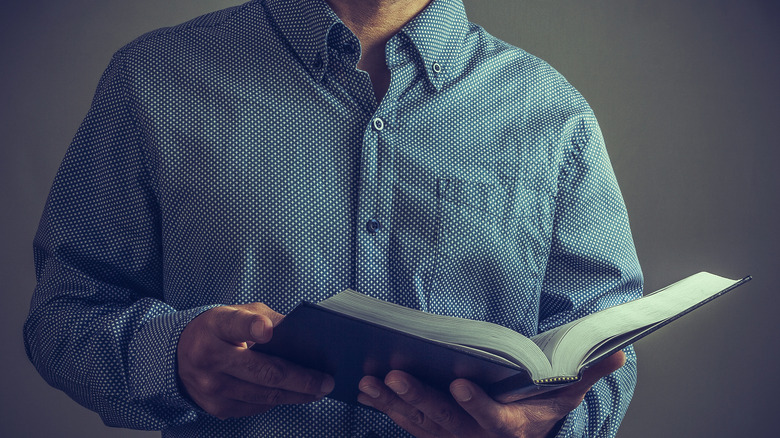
x=399, y=387
x=258, y=330
x=370, y=390
x=461, y=393
x=327, y=385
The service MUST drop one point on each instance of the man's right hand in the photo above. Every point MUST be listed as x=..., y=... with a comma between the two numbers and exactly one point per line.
x=225, y=378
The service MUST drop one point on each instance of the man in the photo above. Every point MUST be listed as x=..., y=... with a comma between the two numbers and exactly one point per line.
x=284, y=150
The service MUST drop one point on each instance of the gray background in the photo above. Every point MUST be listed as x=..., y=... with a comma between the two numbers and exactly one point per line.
x=687, y=96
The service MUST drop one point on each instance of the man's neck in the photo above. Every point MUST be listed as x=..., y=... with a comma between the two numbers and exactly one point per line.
x=374, y=22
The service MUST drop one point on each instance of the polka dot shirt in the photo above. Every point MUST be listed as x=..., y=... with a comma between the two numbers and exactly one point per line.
x=243, y=157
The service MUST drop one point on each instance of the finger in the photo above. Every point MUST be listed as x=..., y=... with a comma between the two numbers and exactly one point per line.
x=262, y=309
x=435, y=405
x=240, y=391
x=227, y=408
x=239, y=325
x=604, y=367
x=224, y=408
x=593, y=374
x=376, y=394
x=557, y=404
x=272, y=372
x=224, y=396
x=481, y=407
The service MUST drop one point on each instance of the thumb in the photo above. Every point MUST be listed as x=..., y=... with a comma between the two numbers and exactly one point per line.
x=604, y=367
x=238, y=325
x=595, y=372
x=572, y=395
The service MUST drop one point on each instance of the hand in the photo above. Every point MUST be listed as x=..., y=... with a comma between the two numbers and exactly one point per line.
x=469, y=412
x=225, y=378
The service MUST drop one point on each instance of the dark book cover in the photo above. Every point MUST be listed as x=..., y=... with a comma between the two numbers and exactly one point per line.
x=349, y=348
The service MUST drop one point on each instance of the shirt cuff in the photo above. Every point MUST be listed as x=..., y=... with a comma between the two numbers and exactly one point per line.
x=153, y=366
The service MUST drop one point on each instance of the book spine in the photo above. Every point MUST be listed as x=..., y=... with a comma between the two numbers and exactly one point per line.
x=556, y=380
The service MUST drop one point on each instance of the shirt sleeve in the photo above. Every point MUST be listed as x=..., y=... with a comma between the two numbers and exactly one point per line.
x=98, y=328
x=592, y=266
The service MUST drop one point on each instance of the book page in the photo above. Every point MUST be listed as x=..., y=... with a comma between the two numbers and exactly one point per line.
x=483, y=337
x=569, y=346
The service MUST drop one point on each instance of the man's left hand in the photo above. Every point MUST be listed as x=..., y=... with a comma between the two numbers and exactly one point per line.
x=468, y=412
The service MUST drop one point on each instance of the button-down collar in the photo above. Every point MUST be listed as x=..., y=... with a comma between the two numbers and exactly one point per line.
x=305, y=25
x=437, y=34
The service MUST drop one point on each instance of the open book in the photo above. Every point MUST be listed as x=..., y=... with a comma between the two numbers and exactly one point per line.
x=351, y=335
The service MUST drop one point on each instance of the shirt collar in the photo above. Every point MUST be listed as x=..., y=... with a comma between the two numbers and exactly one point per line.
x=437, y=33
x=305, y=25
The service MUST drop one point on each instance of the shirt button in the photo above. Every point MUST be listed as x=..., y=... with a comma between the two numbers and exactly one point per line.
x=379, y=124
x=372, y=226
x=436, y=67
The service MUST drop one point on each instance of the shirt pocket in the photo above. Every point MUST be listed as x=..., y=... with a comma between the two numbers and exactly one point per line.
x=506, y=200
x=493, y=239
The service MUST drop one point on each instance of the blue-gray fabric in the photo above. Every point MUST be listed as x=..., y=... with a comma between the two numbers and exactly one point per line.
x=242, y=157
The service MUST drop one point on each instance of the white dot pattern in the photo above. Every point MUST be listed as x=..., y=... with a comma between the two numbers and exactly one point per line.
x=242, y=157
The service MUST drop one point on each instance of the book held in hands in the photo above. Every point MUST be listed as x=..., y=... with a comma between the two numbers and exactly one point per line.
x=351, y=335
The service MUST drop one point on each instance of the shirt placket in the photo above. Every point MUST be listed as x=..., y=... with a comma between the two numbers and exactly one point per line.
x=376, y=165
x=375, y=204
